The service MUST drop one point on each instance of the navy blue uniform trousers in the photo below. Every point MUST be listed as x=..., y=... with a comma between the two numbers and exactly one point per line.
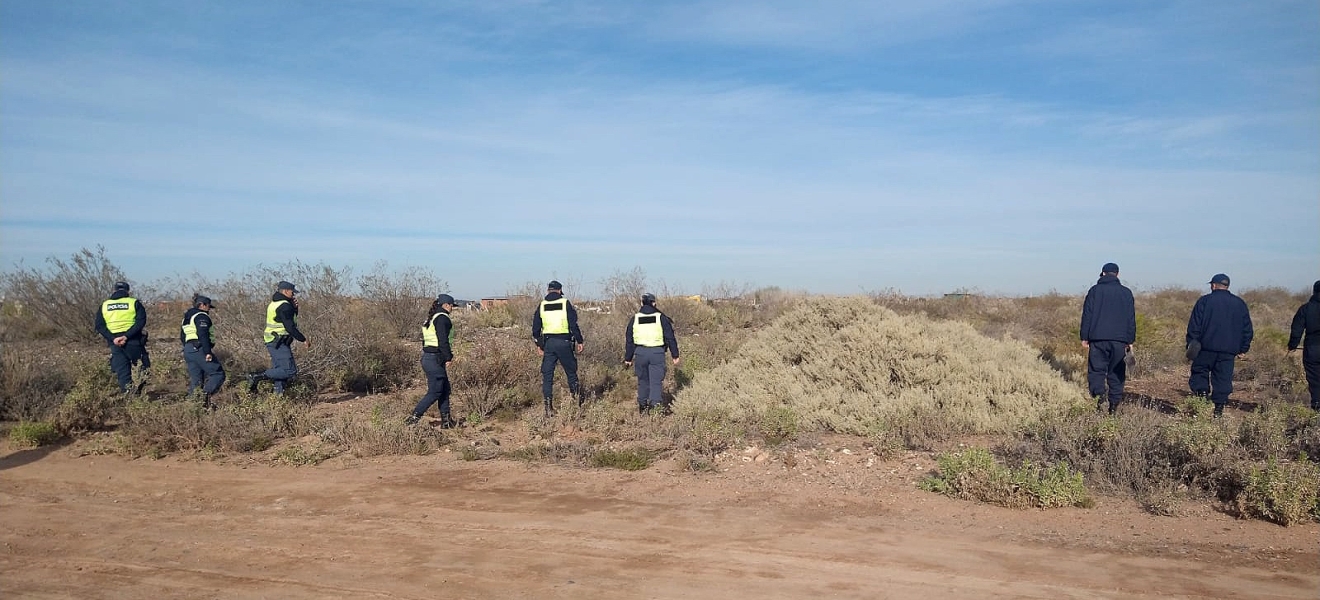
x=1212, y=375
x=558, y=350
x=1105, y=366
x=437, y=385
x=209, y=375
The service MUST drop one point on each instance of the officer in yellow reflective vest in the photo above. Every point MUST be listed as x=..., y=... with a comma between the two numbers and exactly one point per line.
x=649, y=334
x=437, y=353
x=555, y=329
x=197, y=334
x=281, y=331
x=122, y=322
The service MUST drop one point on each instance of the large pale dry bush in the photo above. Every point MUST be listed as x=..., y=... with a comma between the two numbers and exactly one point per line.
x=850, y=366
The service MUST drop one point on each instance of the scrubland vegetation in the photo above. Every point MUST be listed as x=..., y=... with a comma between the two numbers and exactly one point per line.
x=764, y=367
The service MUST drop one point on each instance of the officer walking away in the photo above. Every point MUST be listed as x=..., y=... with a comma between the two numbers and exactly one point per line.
x=122, y=322
x=1109, y=326
x=649, y=334
x=437, y=353
x=281, y=331
x=555, y=329
x=1306, y=323
x=197, y=333
x=1221, y=326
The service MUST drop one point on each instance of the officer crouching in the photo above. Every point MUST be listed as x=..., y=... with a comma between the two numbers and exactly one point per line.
x=197, y=334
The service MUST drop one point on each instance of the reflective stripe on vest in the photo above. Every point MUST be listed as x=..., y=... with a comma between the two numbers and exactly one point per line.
x=554, y=316
x=275, y=329
x=119, y=314
x=647, y=330
x=429, y=338
x=190, y=329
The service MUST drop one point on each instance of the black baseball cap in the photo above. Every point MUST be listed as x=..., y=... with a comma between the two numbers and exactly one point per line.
x=648, y=298
x=554, y=285
x=200, y=300
x=284, y=285
x=1220, y=279
x=121, y=285
x=1109, y=268
x=445, y=299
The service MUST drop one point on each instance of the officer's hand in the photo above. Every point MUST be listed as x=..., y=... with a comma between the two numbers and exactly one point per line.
x=1129, y=347
x=209, y=358
x=1086, y=344
x=308, y=343
x=448, y=362
x=628, y=362
x=540, y=350
x=579, y=348
x=121, y=340
x=675, y=360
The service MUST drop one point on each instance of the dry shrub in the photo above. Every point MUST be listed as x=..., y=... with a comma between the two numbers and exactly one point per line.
x=401, y=297
x=382, y=432
x=494, y=371
x=32, y=434
x=93, y=401
x=850, y=366
x=29, y=391
x=251, y=425
x=61, y=299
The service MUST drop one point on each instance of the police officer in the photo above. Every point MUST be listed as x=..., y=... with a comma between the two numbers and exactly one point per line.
x=1221, y=326
x=555, y=329
x=197, y=333
x=1109, y=326
x=1307, y=323
x=122, y=322
x=649, y=334
x=437, y=353
x=281, y=331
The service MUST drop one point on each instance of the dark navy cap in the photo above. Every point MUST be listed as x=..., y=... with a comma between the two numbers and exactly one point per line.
x=200, y=300
x=1220, y=279
x=445, y=299
x=554, y=285
x=121, y=285
x=284, y=285
x=648, y=298
x=1109, y=268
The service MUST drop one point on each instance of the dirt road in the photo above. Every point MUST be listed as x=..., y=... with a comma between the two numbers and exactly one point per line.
x=438, y=527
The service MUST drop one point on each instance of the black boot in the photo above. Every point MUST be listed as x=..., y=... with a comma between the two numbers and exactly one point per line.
x=549, y=408
x=253, y=379
x=1219, y=411
x=447, y=422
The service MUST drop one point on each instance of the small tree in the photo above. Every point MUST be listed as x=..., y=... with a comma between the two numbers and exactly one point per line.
x=401, y=296
x=62, y=298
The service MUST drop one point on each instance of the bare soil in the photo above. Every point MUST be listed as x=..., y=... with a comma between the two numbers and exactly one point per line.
x=823, y=523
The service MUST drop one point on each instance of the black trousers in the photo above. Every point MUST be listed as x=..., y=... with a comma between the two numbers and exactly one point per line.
x=1311, y=364
x=208, y=374
x=437, y=386
x=1105, y=366
x=1212, y=374
x=123, y=358
x=558, y=350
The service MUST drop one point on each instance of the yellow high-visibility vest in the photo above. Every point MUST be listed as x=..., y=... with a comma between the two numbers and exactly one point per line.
x=647, y=330
x=275, y=328
x=119, y=314
x=554, y=316
x=429, y=338
x=190, y=329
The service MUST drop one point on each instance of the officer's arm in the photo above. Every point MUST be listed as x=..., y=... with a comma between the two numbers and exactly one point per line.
x=1132, y=318
x=203, y=333
x=536, y=328
x=442, y=329
x=139, y=321
x=629, y=348
x=1247, y=332
x=1298, y=328
x=573, y=329
x=1194, y=322
x=1088, y=315
x=102, y=329
x=671, y=340
x=284, y=314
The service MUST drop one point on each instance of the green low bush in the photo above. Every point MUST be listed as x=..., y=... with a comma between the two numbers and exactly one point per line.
x=975, y=475
x=627, y=459
x=1282, y=492
x=33, y=434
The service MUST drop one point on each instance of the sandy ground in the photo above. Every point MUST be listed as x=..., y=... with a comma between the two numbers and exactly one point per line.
x=834, y=525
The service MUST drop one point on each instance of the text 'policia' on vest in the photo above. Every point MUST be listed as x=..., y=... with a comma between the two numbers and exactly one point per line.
x=119, y=314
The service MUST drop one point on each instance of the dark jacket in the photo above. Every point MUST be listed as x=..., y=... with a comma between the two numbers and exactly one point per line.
x=1109, y=313
x=1221, y=322
x=285, y=314
x=666, y=326
x=203, y=340
x=134, y=332
x=443, y=325
x=1306, y=323
x=573, y=334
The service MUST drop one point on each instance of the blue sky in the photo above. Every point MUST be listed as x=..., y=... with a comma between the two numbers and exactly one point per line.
x=1008, y=146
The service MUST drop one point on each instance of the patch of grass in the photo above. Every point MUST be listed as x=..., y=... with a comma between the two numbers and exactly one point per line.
x=252, y=425
x=627, y=459
x=94, y=400
x=298, y=455
x=33, y=434
x=975, y=475
x=778, y=425
x=1282, y=492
